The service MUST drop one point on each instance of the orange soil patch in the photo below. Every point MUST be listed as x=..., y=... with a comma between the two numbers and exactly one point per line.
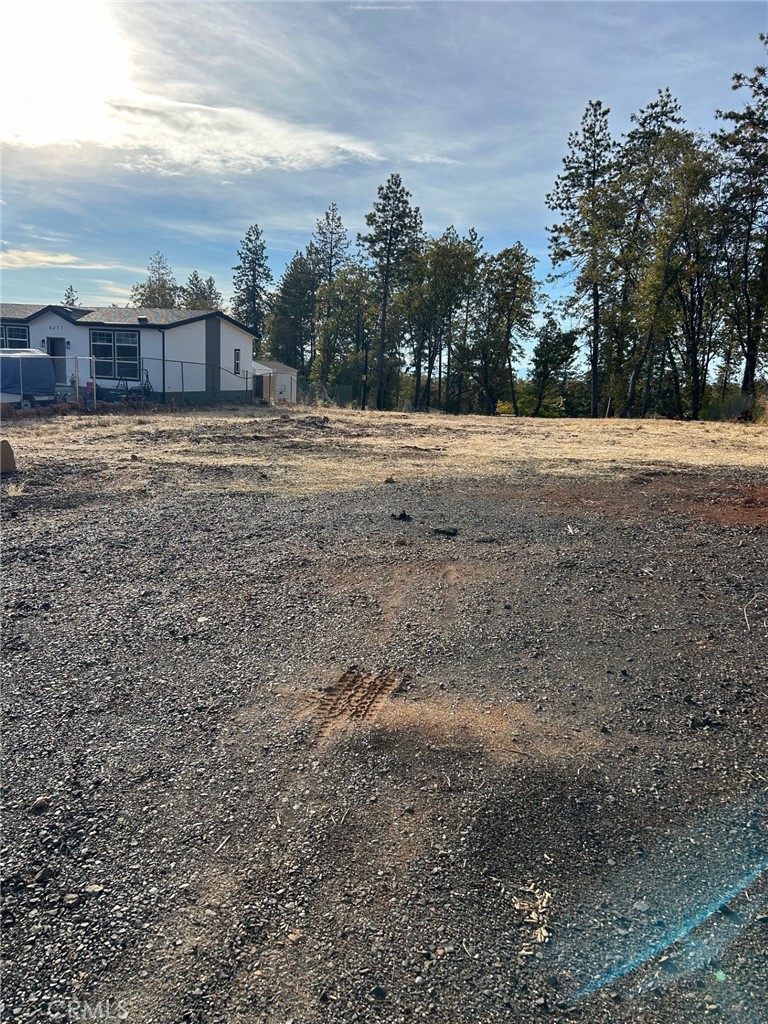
x=727, y=503
x=504, y=733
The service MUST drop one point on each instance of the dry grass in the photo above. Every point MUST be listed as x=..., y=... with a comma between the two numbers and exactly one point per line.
x=308, y=452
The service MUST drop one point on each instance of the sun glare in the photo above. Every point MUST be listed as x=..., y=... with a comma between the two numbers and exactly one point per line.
x=65, y=64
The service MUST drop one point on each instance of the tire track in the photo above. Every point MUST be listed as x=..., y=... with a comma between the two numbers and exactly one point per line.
x=355, y=698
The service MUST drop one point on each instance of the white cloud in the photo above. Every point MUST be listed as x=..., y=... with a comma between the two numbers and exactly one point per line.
x=103, y=292
x=431, y=158
x=25, y=259
x=95, y=100
x=122, y=144
x=170, y=137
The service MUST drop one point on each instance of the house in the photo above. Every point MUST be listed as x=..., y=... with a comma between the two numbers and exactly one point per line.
x=184, y=355
x=274, y=381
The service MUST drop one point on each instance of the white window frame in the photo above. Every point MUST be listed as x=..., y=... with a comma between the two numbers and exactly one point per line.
x=21, y=341
x=109, y=347
x=237, y=362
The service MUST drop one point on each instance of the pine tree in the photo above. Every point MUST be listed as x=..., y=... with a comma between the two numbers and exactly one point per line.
x=744, y=145
x=452, y=268
x=201, y=294
x=577, y=197
x=501, y=315
x=679, y=292
x=343, y=335
x=394, y=239
x=328, y=250
x=291, y=323
x=634, y=203
x=253, y=277
x=553, y=355
x=160, y=290
x=70, y=297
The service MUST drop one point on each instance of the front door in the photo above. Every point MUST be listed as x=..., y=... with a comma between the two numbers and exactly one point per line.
x=57, y=347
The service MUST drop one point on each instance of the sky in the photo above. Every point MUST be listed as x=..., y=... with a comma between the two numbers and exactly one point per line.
x=129, y=127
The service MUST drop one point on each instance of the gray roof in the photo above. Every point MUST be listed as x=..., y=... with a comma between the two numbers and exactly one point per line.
x=122, y=315
x=276, y=366
x=28, y=310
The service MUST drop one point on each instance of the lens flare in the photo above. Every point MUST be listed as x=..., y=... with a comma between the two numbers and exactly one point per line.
x=720, y=900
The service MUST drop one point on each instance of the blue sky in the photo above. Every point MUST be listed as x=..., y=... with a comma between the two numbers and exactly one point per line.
x=135, y=127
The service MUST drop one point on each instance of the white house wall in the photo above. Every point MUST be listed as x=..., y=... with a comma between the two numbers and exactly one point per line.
x=234, y=338
x=185, y=344
x=78, y=352
x=277, y=386
x=151, y=356
x=283, y=387
x=52, y=326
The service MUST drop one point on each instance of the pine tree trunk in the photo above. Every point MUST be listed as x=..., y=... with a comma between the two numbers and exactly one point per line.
x=364, y=394
x=635, y=375
x=750, y=368
x=448, y=371
x=417, y=382
x=662, y=368
x=675, y=380
x=648, y=381
x=427, y=401
x=695, y=387
x=512, y=388
x=595, y=352
x=382, y=343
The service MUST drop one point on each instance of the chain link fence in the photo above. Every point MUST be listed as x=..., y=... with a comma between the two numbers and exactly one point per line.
x=76, y=379
x=310, y=393
x=171, y=381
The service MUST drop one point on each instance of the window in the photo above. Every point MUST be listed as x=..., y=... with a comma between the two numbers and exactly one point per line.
x=116, y=354
x=237, y=361
x=14, y=337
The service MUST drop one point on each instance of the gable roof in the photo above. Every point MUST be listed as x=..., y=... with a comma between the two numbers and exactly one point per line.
x=277, y=367
x=107, y=315
x=29, y=310
x=154, y=317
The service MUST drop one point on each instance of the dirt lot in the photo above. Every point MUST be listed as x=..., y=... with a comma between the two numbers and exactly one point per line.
x=338, y=717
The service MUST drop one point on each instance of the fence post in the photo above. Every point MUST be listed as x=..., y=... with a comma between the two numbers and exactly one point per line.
x=21, y=383
x=93, y=378
x=77, y=380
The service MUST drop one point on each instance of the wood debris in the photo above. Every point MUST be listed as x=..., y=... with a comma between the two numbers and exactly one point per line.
x=534, y=904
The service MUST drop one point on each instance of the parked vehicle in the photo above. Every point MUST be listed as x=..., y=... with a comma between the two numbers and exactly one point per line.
x=27, y=377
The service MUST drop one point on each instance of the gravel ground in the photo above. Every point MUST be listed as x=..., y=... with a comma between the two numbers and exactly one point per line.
x=485, y=750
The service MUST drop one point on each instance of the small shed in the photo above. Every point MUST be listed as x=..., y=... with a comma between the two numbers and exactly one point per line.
x=274, y=381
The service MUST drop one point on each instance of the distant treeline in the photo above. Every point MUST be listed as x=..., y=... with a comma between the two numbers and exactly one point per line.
x=660, y=244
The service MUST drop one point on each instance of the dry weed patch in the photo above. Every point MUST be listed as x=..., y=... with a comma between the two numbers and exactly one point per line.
x=298, y=452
